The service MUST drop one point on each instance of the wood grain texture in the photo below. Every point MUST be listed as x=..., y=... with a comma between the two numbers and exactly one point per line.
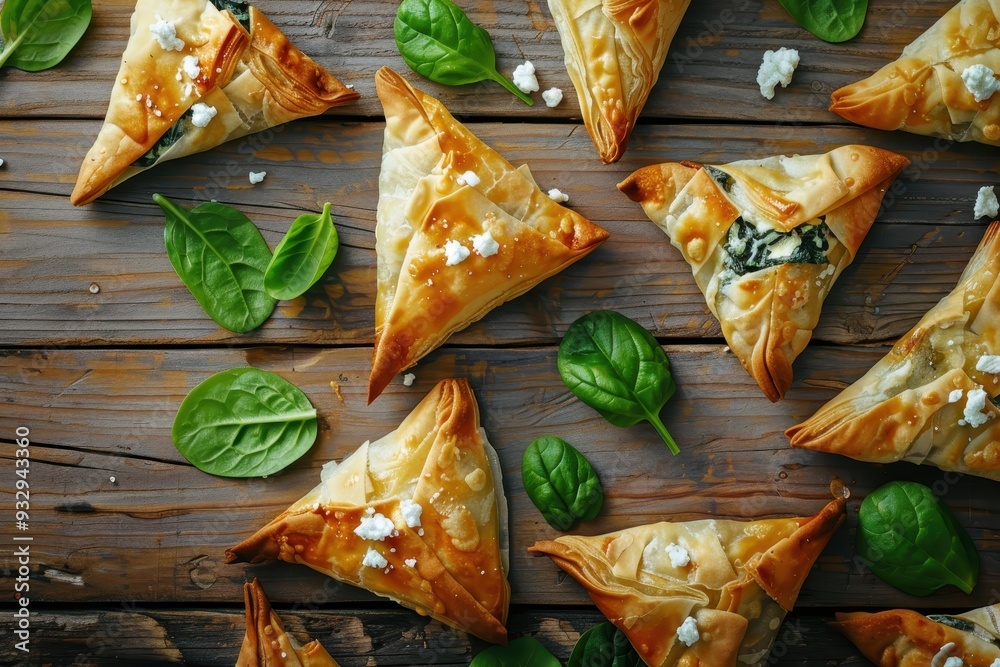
x=158, y=532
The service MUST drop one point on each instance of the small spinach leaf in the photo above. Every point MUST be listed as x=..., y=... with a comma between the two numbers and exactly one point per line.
x=616, y=367
x=303, y=256
x=221, y=257
x=38, y=34
x=830, y=20
x=913, y=542
x=437, y=40
x=522, y=652
x=604, y=644
x=244, y=422
x=560, y=482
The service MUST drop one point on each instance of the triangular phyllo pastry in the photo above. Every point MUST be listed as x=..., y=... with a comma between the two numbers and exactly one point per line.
x=614, y=51
x=196, y=74
x=932, y=398
x=459, y=230
x=766, y=240
x=418, y=516
x=709, y=592
x=942, y=84
x=903, y=637
x=266, y=644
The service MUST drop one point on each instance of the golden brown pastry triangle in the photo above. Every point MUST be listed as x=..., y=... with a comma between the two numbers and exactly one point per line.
x=766, y=240
x=931, y=398
x=459, y=230
x=923, y=90
x=242, y=67
x=266, y=644
x=614, y=51
x=707, y=592
x=418, y=516
x=904, y=638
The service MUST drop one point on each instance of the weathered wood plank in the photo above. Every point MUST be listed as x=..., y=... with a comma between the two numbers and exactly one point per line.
x=710, y=71
x=158, y=531
x=53, y=253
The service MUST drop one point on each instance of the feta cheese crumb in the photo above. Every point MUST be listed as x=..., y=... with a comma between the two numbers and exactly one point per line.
x=688, y=632
x=485, y=244
x=955, y=396
x=411, y=512
x=557, y=195
x=257, y=176
x=988, y=363
x=455, y=252
x=974, y=404
x=777, y=67
x=468, y=178
x=408, y=379
x=1, y=161
x=374, y=559
x=410, y=562
x=112, y=479
x=166, y=35
x=980, y=81
x=986, y=203
x=524, y=77
x=374, y=527
x=679, y=556
x=201, y=114
x=995, y=663
x=191, y=66
x=552, y=97
x=953, y=661
x=942, y=653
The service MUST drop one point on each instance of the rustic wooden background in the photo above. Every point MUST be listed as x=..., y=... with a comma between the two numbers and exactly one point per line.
x=132, y=570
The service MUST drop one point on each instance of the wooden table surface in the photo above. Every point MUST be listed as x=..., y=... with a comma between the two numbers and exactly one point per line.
x=132, y=569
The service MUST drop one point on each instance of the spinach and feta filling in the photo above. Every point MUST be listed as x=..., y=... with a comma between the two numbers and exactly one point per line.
x=169, y=138
x=965, y=626
x=748, y=249
x=238, y=8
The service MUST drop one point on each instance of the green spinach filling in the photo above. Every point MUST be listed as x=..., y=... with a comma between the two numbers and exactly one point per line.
x=748, y=249
x=964, y=626
x=169, y=138
x=238, y=8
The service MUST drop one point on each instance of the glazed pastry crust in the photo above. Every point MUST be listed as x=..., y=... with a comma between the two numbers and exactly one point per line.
x=923, y=92
x=254, y=80
x=768, y=315
x=741, y=579
x=423, y=203
x=900, y=409
x=266, y=644
x=440, y=459
x=614, y=50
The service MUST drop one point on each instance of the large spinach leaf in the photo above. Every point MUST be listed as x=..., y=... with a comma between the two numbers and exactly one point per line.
x=604, y=645
x=221, y=257
x=913, y=542
x=522, y=652
x=437, y=40
x=830, y=20
x=38, y=34
x=616, y=367
x=303, y=256
x=560, y=482
x=244, y=422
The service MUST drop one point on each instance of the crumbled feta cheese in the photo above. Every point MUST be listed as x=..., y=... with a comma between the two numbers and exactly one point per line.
x=986, y=203
x=166, y=35
x=974, y=404
x=410, y=562
x=455, y=252
x=552, y=97
x=988, y=363
x=688, y=632
x=191, y=66
x=939, y=659
x=374, y=559
x=374, y=527
x=557, y=195
x=411, y=512
x=995, y=663
x=777, y=67
x=1, y=161
x=953, y=661
x=955, y=396
x=485, y=244
x=201, y=114
x=468, y=178
x=524, y=77
x=257, y=176
x=679, y=556
x=408, y=379
x=980, y=81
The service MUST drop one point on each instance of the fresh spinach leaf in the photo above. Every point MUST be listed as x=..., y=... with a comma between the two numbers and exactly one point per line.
x=244, y=422
x=616, y=367
x=560, y=482
x=606, y=646
x=437, y=40
x=522, y=652
x=38, y=34
x=303, y=256
x=830, y=20
x=221, y=257
x=913, y=542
